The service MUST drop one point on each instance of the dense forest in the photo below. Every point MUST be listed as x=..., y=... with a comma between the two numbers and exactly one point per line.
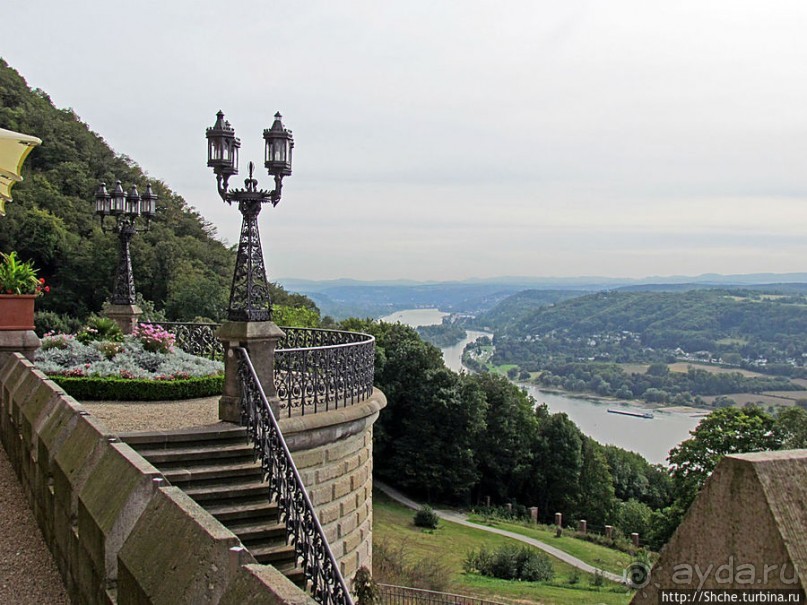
x=179, y=265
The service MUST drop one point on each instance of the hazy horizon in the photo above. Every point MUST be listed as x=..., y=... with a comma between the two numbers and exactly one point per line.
x=754, y=278
x=443, y=141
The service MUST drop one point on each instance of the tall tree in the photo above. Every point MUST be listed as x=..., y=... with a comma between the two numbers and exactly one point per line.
x=792, y=422
x=558, y=461
x=596, y=501
x=724, y=431
x=504, y=452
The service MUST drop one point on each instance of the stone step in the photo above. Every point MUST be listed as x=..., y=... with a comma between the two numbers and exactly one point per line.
x=250, y=509
x=216, y=467
x=217, y=432
x=228, y=491
x=196, y=453
x=189, y=474
x=275, y=553
x=249, y=531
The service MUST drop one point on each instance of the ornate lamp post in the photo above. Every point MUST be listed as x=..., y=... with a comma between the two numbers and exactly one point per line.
x=125, y=208
x=250, y=322
x=249, y=295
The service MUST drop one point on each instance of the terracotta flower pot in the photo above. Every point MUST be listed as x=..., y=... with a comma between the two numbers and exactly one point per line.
x=17, y=311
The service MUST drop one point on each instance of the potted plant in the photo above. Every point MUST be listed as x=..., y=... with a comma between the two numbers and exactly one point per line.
x=19, y=287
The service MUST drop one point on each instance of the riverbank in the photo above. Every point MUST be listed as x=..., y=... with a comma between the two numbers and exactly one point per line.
x=637, y=403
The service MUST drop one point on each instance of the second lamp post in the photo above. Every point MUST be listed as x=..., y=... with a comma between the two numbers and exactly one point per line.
x=125, y=209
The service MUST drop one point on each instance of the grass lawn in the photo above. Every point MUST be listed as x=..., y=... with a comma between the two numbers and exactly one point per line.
x=599, y=556
x=449, y=544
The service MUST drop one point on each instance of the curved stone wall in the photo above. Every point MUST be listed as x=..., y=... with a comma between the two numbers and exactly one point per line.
x=98, y=502
x=334, y=453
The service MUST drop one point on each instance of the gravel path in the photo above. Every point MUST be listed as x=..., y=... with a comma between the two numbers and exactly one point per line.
x=28, y=574
x=125, y=416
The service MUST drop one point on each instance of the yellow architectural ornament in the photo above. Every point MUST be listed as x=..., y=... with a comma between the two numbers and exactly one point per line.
x=14, y=148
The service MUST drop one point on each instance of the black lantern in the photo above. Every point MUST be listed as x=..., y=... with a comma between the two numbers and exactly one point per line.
x=249, y=295
x=133, y=202
x=118, y=200
x=222, y=148
x=126, y=209
x=148, y=203
x=103, y=201
x=279, y=145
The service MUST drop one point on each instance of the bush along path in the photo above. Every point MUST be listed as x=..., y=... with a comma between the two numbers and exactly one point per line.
x=462, y=519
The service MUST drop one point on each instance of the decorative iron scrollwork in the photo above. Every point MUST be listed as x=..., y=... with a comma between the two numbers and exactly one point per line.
x=303, y=528
x=196, y=338
x=320, y=370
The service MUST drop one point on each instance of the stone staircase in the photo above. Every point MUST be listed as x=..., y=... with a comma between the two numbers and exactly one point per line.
x=215, y=466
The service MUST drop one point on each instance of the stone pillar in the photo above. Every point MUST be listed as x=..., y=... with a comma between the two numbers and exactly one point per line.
x=509, y=508
x=534, y=514
x=609, y=532
x=634, y=537
x=126, y=316
x=559, y=519
x=25, y=342
x=260, y=339
x=582, y=526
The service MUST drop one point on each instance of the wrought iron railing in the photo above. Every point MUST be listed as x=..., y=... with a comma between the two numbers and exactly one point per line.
x=401, y=595
x=320, y=370
x=303, y=529
x=195, y=338
x=316, y=370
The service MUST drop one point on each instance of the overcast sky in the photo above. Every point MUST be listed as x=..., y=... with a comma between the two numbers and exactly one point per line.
x=446, y=140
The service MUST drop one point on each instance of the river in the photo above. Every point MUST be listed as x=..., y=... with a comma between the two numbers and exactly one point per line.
x=652, y=438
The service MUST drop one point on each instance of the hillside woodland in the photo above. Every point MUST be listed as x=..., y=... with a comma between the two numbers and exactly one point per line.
x=179, y=265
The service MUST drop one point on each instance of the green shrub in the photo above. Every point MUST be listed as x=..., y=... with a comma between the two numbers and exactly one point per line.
x=113, y=388
x=99, y=328
x=365, y=588
x=426, y=517
x=510, y=562
x=49, y=322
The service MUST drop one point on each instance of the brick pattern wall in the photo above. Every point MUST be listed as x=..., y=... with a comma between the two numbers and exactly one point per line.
x=339, y=480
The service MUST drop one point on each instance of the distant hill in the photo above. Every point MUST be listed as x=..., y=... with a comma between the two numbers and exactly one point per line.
x=347, y=297
x=797, y=288
x=756, y=324
x=369, y=300
x=516, y=309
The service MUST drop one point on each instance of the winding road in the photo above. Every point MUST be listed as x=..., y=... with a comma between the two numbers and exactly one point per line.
x=462, y=519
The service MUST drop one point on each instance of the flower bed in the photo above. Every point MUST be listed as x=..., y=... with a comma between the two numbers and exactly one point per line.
x=127, y=370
